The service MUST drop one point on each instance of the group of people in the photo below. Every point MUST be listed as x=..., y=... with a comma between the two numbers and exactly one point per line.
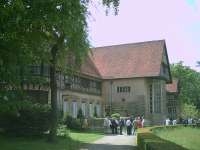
x=118, y=125
x=170, y=122
x=187, y=121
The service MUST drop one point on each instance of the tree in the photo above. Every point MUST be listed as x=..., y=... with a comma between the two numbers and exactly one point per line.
x=189, y=111
x=189, y=83
x=52, y=32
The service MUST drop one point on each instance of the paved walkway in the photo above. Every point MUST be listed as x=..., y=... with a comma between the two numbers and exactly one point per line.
x=114, y=142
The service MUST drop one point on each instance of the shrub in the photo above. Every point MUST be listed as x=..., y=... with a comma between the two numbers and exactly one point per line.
x=146, y=140
x=115, y=115
x=24, y=117
x=72, y=123
x=62, y=131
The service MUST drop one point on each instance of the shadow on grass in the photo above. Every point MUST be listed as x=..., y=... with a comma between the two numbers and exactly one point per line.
x=38, y=143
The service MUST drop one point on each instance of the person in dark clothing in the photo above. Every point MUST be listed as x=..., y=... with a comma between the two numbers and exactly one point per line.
x=115, y=125
x=121, y=125
x=112, y=126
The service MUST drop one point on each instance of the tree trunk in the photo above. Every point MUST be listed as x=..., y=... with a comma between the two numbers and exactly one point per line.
x=53, y=87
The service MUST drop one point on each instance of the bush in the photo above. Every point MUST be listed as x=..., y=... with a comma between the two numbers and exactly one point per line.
x=24, y=118
x=72, y=123
x=62, y=131
x=146, y=140
x=115, y=115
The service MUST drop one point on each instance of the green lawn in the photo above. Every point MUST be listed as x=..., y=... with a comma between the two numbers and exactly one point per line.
x=188, y=137
x=86, y=137
x=73, y=143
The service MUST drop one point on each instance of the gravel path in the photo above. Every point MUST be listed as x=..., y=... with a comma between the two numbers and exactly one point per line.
x=114, y=142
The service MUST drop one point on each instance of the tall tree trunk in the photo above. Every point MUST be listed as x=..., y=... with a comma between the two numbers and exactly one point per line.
x=53, y=86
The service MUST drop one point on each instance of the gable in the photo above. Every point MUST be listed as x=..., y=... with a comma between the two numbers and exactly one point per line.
x=165, y=66
x=88, y=68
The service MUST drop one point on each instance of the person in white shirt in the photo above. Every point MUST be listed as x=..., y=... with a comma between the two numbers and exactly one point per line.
x=174, y=122
x=128, y=126
x=167, y=122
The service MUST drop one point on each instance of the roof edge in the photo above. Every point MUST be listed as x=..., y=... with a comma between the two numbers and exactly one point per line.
x=122, y=44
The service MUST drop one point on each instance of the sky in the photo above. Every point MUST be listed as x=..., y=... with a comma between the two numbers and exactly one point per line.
x=175, y=21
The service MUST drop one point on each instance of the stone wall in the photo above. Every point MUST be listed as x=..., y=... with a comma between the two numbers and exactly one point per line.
x=137, y=101
x=125, y=103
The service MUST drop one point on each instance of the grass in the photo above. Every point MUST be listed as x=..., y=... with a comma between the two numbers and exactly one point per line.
x=85, y=137
x=73, y=142
x=188, y=137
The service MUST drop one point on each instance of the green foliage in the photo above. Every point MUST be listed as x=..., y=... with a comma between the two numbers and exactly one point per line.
x=113, y=3
x=189, y=111
x=115, y=115
x=29, y=29
x=62, y=131
x=50, y=31
x=189, y=83
x=147, y=140
x=34, y=27
x=72, y=123
x=24, y=118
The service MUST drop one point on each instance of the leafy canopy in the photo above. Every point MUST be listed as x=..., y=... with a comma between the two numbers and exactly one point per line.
x=29, y=29
x=189, y=83
x=189, y=111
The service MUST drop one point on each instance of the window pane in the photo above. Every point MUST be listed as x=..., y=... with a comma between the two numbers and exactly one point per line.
x=91, y=110
x=83, y=108
x=74, y=110
x=66, y=107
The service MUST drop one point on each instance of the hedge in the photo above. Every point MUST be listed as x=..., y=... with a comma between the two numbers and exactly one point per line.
x=146, y=140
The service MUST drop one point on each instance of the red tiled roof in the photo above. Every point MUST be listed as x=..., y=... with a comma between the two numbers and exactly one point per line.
x=88, y=68
x=129, y=60
x=173, y=87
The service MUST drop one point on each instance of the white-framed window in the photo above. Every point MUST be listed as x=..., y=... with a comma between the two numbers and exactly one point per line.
x=123, y=89
x=83, y=107
x=157, y=97
x=91, y=110
x=65, y=107
x=74, y=109
x=98, y=110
